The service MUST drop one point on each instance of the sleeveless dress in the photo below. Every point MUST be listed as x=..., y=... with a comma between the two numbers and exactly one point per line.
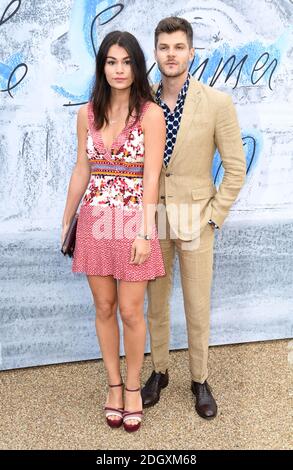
x=111, y=208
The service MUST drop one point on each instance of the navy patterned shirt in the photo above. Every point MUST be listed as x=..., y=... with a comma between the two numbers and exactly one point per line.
x=172, y=119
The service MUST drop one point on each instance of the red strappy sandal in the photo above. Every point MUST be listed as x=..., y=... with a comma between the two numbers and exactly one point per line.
x=128, y=415
x=110, y=411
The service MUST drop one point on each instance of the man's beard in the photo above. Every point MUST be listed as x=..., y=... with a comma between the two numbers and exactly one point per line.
x=176, y=73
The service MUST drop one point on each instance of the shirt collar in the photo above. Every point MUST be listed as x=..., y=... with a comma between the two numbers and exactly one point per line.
x=182, y=93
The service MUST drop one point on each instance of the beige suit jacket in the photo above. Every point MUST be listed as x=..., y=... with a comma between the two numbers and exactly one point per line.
x=209, y=121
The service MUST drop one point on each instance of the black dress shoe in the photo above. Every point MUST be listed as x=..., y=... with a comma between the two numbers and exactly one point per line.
x=205, y=405
x=152, y=389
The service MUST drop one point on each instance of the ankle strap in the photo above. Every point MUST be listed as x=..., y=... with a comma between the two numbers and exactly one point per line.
x=118, y=385
x=132, y=389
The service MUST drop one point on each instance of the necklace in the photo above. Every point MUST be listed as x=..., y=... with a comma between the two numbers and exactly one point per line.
x=113, y=121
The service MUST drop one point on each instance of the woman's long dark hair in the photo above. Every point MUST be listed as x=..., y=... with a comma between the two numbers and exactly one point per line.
x=140, y=89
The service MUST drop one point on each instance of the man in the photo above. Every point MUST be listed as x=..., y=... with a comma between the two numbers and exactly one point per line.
x=199, y=119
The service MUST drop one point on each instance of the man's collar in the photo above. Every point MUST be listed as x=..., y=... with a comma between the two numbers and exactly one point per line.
x=182, y=92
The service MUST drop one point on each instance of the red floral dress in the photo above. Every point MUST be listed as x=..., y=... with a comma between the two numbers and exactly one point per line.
x=111, y=209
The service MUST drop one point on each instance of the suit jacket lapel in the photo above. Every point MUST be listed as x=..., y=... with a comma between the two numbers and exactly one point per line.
x=192, y=101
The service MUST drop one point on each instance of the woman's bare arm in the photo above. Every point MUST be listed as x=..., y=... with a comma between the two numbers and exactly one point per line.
x=81, y=172
x=154, y=129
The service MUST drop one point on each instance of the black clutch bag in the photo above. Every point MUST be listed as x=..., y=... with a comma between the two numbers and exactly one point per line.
x=69, y=240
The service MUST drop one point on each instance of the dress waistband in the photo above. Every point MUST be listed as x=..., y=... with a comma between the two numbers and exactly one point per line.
x=102, y=167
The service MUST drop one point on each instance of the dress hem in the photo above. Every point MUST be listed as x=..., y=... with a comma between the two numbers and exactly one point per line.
x=119, y=278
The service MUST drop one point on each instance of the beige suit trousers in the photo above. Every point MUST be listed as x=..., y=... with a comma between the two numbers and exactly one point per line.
x=196, y=271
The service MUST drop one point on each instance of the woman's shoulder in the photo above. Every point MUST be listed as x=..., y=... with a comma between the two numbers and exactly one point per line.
x=151, y=110
x=83, y=110
x=83, y=115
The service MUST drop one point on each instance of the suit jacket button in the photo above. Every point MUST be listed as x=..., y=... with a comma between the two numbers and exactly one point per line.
x=168, y=174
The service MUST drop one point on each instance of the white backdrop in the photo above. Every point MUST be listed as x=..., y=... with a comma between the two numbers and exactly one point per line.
x=47, y=51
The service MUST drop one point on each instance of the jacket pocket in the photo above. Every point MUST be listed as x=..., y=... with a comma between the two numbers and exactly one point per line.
x=204, y=192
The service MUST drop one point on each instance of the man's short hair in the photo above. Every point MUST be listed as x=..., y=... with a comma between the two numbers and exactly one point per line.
x=172, y=24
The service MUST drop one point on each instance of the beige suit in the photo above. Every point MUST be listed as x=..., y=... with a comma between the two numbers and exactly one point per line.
x=208, y=122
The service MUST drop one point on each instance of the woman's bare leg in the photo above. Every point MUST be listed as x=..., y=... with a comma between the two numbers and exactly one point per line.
x=104, y=290
x=131, y=302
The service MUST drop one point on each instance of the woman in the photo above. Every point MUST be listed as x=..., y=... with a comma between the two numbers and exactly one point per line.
x=121, y=139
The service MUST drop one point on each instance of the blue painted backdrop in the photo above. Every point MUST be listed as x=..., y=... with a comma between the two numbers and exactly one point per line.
x=46, y=69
